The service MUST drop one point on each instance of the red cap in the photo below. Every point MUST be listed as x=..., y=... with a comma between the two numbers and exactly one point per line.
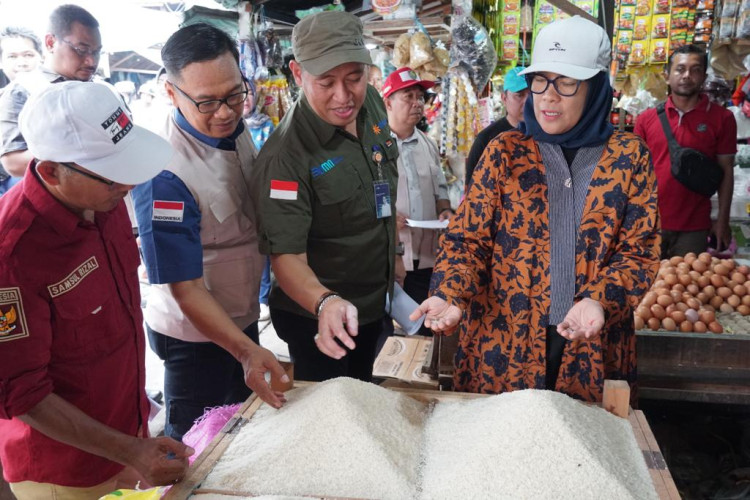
x=403, y=78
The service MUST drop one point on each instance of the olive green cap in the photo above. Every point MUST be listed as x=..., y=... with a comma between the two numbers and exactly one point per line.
x=322, y=41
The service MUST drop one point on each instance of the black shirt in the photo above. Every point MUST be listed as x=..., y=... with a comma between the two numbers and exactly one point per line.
x=483, y=138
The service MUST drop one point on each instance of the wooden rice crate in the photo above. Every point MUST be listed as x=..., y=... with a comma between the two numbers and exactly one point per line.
x=191, y=485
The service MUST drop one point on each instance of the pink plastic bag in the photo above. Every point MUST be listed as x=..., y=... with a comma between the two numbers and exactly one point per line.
x=207, y=427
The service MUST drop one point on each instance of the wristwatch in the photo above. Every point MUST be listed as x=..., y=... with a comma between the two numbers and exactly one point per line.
x=400, y=248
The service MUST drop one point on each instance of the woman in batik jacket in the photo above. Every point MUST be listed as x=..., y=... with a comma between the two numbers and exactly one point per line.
x=557, y=239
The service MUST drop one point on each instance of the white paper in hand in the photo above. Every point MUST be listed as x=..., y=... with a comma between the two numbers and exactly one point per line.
x=427, y=224
x=401, y=309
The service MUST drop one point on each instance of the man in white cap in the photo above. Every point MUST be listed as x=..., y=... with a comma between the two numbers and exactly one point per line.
x=73, y=408
x=326, y=192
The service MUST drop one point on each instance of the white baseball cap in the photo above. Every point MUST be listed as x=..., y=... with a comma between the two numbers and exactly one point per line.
x=87, y=123
x=573, y=47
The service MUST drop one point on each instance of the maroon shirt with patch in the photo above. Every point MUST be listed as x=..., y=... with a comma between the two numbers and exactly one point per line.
x=710, y=129
x=70, y=324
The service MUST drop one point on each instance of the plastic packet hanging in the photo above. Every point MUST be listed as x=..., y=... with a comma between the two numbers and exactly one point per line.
x=401, y=50
x=471, y=45
x=420, y=51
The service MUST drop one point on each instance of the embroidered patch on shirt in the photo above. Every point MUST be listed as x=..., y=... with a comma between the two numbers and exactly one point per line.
x=326, y=166
x=12, y=318
x=73, y=279
x=284, y=190
x=168, y=211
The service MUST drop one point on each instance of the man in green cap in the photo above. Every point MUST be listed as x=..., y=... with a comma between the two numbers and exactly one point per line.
x=326, y=182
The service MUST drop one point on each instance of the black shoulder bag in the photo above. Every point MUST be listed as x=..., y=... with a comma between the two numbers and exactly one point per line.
x=691, y=168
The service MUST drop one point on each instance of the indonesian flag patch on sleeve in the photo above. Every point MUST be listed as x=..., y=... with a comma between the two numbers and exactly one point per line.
x=168, y=211
x=284, y=190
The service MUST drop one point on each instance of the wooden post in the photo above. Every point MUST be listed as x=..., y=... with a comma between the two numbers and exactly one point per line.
x=616, y=397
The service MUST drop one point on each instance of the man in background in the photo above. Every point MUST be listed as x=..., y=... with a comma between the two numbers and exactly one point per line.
x=73, y=46
x=422, y=190
x=20, y=51
x=698, y=124
x=515, y=92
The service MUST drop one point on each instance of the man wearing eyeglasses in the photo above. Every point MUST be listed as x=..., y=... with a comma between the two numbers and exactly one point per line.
x=73, y=46
x=73, y=408
x=199, y=240
x=422, y=190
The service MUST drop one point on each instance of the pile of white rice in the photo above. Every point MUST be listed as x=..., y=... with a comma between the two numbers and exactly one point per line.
x=346, y=438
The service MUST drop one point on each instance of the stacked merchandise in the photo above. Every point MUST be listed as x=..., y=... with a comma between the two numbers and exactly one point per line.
x=648, y=31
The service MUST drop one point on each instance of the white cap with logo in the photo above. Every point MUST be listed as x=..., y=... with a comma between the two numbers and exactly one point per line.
x=572, y=47
x=87, y=123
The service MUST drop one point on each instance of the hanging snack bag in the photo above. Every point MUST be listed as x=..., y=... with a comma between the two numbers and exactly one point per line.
x=510, y=23
x=420, y=51
x=660, y=26
x=659, y=50
x=638, y=53
x=642, y=8
x=661, y=7
x=742, y=27
x=641, y=29
x=401, y=50
x=627, y=17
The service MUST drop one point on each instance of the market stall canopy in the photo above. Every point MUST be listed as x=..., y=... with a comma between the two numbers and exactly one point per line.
x=140, y=61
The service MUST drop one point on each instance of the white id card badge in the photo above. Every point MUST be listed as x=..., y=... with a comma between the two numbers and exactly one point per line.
x=382, y=199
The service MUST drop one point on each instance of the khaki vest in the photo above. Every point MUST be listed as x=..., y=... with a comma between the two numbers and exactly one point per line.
x=219, y=182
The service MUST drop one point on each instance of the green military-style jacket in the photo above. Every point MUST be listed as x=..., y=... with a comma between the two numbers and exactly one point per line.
x=314, y=194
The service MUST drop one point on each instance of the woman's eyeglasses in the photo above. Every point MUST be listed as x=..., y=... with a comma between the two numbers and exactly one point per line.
x=565, y=86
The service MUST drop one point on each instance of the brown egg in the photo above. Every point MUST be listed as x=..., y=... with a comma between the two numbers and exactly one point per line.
x=729, y=263
x=726, y=308
x=744, y=270
x=715, y=327
x=649, y=299
x=664, y=262
x=717, y=302
x=707, y=316
x=693, y=303
x=724, y=292
x=699, y=266
x=686, y=326
x=731, y=284
x=643, y=312
x=679, y=287
x=717, y=280
x=694, y=275
x=714, y=261
x=734, y=301
x=721, y=269
x=683, y=266
x=676, y=295
x=675, y=260
x=653, y=324
x=639, y=323
x=671, y=279
x=689, y=258
x=705, y=257
x=669, y=324
x=703, y=281
x=693, y=289
x=685, y=297
x=743, y=310
x=681, y=306
x=661, y=284
x=664, y=300
x=740, y=290
x=658, y=311
x=709, y=290
x=708, y=274
x=746, y=300
x=678, y=316
x=699, y=327
x=709, y=307
x=702, y=297
x=738, y=277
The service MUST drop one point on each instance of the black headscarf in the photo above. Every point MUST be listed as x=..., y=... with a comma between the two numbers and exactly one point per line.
x=593, y=129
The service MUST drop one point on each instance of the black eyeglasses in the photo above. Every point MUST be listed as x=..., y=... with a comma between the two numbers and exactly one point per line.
x=565, y=86
x=86, y=174
x=213, y=105
x=82, y=51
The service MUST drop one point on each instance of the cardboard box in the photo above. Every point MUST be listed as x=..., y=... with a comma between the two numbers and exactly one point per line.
x=402, y=358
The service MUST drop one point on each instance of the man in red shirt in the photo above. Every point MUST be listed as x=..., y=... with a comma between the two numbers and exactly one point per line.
x=698, y=124
x=73, y=409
